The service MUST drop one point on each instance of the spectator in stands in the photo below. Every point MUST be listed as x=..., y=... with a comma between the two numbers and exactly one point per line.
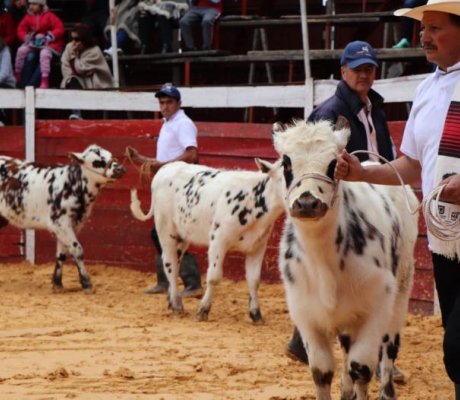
x=83, y=65
x=355, y=100
x=165, y=13
x=96, y=14
x=6, y=72
x=127, y=27
x=39, y=31
x=18, y=8
x=408, y=25
x=431, y=152
x=7, y=25
x=177, y=142
x=205, y=11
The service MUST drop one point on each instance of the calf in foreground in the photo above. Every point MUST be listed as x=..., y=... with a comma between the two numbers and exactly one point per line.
x=56, y=198
x=346, y=260
x=224, y=210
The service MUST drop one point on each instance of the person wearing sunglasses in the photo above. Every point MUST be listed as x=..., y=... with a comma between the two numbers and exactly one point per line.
x=83, y=65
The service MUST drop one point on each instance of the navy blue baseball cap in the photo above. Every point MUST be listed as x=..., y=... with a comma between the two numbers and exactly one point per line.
x=357, y=53
x=168, y=90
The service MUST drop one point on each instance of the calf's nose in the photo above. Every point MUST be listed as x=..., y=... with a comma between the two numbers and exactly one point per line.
x=308, y=206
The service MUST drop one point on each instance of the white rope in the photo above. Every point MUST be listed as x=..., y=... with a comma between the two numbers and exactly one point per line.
x=406, y=195
x=439, y=226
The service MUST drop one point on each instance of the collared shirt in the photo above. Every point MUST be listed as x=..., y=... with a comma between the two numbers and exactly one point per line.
x=426, y=121
x=176, y=134
x=365, y=116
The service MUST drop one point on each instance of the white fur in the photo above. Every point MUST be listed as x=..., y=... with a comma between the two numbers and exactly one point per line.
x=331, y=290
x=204, y=210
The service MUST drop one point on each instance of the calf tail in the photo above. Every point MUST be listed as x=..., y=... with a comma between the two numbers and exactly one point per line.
x=136, y=210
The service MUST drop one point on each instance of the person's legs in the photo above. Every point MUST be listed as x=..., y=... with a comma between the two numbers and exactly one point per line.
x=162, y=280
x=31, y=71
x=191, y=17
x=190, y=274
x=447, y=279
x=45, y=66
x=165, y=26
x=122, y=38
x=21, y=55
x=146, y=23
x=74, y=84
x=210, y=16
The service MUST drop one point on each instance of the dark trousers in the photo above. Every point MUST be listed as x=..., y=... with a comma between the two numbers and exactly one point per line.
x=147, y=24
x=447, y=279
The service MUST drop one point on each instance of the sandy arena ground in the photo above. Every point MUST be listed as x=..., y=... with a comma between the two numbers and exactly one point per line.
x=120, y=343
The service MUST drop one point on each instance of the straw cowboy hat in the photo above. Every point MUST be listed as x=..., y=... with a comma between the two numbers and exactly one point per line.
x=447, y=6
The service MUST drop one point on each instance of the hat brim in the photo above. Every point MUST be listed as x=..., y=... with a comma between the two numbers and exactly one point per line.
x=449, y=7
x=361, y=61
x=164, y=94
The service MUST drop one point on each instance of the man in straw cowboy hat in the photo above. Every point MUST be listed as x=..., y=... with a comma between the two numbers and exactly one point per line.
x=431, y=148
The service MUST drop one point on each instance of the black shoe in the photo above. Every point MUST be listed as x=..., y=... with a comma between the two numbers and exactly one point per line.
x=166, y=49
x=192, y=292
x=295, y=348
x=157, y=289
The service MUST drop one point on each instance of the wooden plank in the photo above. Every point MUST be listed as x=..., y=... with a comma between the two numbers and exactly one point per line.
x=294, y=20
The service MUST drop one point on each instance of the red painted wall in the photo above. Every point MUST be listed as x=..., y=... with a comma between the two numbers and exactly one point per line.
x=113, y=236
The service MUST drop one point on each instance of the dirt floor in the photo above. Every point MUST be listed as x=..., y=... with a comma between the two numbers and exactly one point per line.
x=120, y=343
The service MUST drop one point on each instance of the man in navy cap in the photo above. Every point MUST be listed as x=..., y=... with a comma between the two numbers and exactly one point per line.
x=362, y=107
x=177, y=141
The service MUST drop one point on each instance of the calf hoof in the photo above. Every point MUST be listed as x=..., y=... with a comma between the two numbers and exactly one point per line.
x=58, y=289
x=88, y=290
x=176, y=305
x=256, y=316
x=202, y=314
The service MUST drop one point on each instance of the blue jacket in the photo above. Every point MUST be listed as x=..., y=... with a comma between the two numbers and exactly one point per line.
x=347, y=103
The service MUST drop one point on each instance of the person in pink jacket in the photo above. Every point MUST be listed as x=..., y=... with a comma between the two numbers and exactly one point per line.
x=40, y=30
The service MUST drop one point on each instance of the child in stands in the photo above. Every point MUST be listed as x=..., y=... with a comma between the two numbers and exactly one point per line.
x=42, y=31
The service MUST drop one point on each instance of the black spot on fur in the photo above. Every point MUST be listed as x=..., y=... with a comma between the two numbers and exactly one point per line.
x=99, y=164
x=322, y=378
x=345, y=342
x=339, y=238
x=243, y=214
x=287, y=170
x=395, y=243
x=360, y=372
x=235, y=209
x=331, y=169
x=288, y=273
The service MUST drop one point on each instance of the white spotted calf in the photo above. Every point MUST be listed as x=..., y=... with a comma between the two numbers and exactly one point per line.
x=346, y=260
x=56, y=198
x=224, y=210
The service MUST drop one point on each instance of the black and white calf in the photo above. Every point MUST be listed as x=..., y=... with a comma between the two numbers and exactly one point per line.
x=56, y=198
x=346, y=260
x=224, y=210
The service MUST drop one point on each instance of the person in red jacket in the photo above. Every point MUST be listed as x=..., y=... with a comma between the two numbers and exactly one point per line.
x=40, y=30
x=7, y=26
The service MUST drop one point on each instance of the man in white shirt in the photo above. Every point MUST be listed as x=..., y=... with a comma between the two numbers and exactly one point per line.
x=432, y=136
x=177, y=141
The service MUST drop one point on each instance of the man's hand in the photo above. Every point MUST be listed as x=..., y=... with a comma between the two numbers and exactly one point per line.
x=348, y=167
x=451, y=193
